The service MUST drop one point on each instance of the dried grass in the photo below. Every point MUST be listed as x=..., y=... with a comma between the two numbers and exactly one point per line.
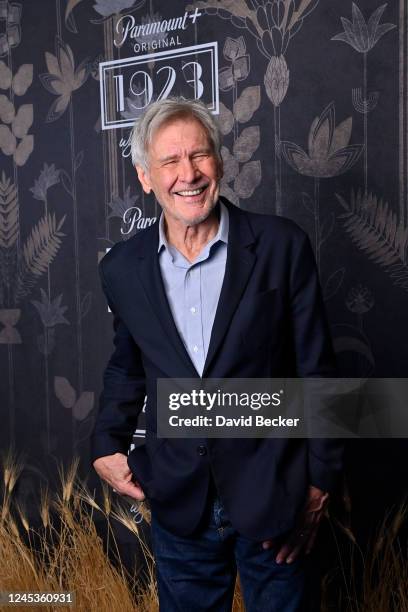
x=67, y=554
x=375, y=580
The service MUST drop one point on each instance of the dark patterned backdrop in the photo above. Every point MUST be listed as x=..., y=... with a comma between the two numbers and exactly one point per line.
x=313, y=105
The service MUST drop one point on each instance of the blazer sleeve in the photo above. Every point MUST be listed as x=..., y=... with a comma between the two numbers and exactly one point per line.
x=314, y=358
x=123, y=392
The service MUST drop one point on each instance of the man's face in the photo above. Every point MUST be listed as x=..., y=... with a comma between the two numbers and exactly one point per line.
x=183, y=171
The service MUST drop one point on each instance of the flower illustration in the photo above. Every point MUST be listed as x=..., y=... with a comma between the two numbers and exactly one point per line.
x=360, y=35
x=235, y=52
x=62, y=79
x=49, y=176
x=106, y=8
x=51, y=312
x=329, y=151
x=10, y=12
x=359, y=299
x=276, y=79
x=119, y=207
x=273, y=23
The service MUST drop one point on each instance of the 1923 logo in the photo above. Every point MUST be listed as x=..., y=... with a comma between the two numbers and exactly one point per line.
x=129, y=85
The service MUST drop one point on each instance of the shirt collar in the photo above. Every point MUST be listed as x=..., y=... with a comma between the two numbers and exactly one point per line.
x=221, y=235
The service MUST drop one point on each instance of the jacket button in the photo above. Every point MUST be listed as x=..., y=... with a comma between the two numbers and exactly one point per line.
x=201, y=450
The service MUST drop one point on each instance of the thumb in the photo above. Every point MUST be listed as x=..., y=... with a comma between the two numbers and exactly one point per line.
x=267, y=544
x=133, y=489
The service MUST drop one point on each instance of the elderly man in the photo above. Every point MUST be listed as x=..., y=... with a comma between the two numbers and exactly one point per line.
x=212, y=291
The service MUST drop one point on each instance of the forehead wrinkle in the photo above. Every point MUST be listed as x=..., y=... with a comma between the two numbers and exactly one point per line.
x=178, y=136
x=195, y=151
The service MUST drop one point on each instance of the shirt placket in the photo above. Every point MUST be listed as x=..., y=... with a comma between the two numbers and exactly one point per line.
x=193, y=316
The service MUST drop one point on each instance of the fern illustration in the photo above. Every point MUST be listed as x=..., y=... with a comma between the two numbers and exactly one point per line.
x=9, y=229
x=374, y=227
x=39, y=250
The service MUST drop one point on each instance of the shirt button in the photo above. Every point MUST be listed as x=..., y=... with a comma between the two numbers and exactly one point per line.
x=195, y=349
x=192, y=309
x=201, y=450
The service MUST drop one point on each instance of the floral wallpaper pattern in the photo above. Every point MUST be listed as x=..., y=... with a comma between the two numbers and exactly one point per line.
x=313, y=110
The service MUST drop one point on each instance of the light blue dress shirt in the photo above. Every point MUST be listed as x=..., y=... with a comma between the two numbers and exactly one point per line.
x=193, y=289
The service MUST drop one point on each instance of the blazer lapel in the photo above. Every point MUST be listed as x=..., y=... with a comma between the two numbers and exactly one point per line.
x=150, y=277
x=239, y=265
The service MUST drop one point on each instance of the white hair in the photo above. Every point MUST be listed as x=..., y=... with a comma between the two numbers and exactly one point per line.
x=164, y=111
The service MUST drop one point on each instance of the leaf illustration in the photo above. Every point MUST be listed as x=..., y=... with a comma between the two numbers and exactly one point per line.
x=307, y=202
x=228, y=193
x=83, y=406
x=7, y=140
x=9, y=219
x=79, y=159
x=348, y=343
x=57, y=108
x=375, y=229
x=66, y=181
x=5, y=76
x=85, y=428
x=230, y=9
x=327, y=228
x=24, y=150
x=23, y=79
x=230, y=164
x=248, y=179
x=247, y=103
x=86, y=304
x=7, y=111
x=39, y=251
x=333, y=283
x=305, y=8
x=112, y=7
x=247, y=143
x=69, y=17
x=225, y=120
x=23, y=120
x=226, y=79
x=64, y=391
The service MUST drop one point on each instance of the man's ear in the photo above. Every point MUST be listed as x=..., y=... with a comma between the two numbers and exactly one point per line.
x=143, y=177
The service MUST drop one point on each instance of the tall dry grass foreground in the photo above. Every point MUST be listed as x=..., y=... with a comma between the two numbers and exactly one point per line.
x=65, y=553
x=375, y=580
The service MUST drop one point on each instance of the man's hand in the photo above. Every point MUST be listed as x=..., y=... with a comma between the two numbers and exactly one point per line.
x=115, y=470
x=303, y=536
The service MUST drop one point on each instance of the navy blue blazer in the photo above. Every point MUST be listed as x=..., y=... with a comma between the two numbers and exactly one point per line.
x=270, y=322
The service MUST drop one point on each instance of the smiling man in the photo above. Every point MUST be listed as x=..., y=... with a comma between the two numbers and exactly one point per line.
x=213, y=291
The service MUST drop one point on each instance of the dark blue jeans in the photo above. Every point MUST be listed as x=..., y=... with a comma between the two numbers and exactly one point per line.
x=197, y=573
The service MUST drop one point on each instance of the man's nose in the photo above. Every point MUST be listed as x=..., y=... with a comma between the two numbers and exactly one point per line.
x=188, y=172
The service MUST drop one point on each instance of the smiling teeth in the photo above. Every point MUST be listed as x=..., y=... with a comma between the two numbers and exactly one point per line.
x=191, y=192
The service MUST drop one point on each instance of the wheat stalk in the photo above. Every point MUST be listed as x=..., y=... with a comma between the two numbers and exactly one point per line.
x=9, y=231
x=9, y=218
x=68, y=555
x=375, y=229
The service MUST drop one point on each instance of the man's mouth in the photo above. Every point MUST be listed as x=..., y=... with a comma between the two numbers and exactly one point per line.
x=191, y=192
